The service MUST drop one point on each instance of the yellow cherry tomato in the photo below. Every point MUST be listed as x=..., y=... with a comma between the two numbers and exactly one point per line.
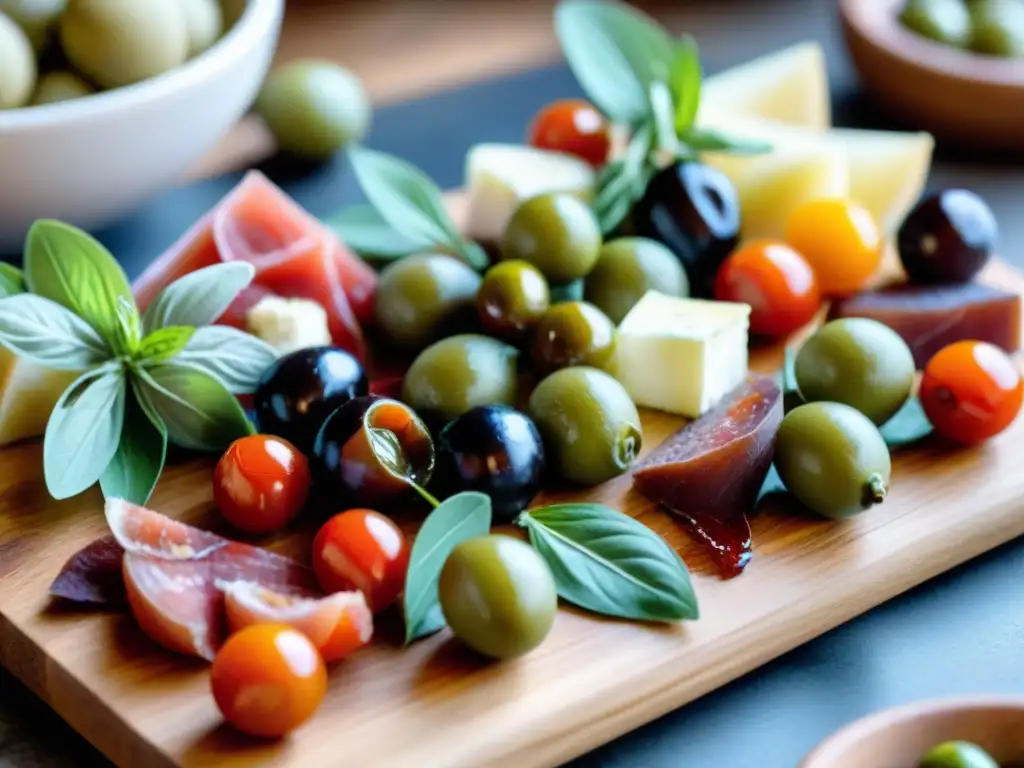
x=840, y=240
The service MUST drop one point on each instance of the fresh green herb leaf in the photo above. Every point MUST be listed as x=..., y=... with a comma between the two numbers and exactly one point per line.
x=665, y=138
x=140, y=455
x=129, y=327
x=772, y=484
x=197, y=409
x=624, y=182
x=48, y=334
x=473, y=254
x=233, y=357
x=711, y=140
x=70, y=267
x=609, y=563
x=685, y=83
x=83, y=431
x=367, y=233
x=165, y=343
x=459, y=518
x=12, y=280
x=616, y=53
x=908, y=426
x=200, y=297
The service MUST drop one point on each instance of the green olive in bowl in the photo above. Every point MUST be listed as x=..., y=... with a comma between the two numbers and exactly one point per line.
x=60, y=86
x=17, y=65
x=626, y=269
x=418, y=296
x=555, y=232
x=204, y=23
x=997, y=27
x=944, y=21
x=36, y=17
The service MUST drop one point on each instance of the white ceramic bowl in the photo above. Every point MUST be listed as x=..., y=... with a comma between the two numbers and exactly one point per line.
x=90, y=161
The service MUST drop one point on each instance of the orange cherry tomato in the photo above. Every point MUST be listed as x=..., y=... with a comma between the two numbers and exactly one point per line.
x=362, y=549
x=261, y=483
x=777, y=283
x=840, y=240
x=267, y=679
x=574, y=126
x=971, y=391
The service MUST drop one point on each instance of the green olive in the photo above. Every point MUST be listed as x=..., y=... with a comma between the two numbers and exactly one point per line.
x=458, y=373
x=314, y=108
x=957, y=754
x=204, y=20
x=629, y=267
x=512, y=297
x=36, y=17
x=944, y=21
x=590, y=426
x=555, y=232
x=833, y=459
x=859, y=362
x=572, y=333
x=17, y=65
x=113, y=44
x=60, y=86
x=419, y=296
x=998, y=27
x=498, y=596
x=232, y=11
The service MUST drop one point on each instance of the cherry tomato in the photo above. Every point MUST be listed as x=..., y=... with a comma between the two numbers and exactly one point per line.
x=362, y=549
x=971, y=391
x=267, y=679
x=777, y=283
x=573, y=126
x=261, y=483
x=841, y=242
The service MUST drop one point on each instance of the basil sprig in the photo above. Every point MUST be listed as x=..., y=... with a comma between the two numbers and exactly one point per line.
x=145, y=381
x=406, y=213
x=641, y=77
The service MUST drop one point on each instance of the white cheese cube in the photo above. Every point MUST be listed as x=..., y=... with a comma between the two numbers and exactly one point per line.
x=27, y=396
x=501, y=176
x=289, y=324
x=681, y=356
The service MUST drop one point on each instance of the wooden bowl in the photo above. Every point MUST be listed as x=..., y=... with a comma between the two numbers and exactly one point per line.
x=957, y=95
x=899, y=738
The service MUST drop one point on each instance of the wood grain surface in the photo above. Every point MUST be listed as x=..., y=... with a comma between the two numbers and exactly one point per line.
x=591, y=680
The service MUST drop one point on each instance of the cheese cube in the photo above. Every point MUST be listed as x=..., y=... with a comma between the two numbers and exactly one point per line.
x=288, y=324
x=681, y=356
x=28, y=393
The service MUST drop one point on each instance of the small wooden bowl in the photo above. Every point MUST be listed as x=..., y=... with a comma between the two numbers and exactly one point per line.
x=899, y=738
x=957, y=95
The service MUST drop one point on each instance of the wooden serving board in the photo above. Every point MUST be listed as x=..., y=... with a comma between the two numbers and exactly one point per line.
x=435, y=704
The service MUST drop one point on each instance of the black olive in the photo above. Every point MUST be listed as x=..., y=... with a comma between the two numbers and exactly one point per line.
x=298, y=392
x=695, y=211
x=947, y=238
x=495, y=450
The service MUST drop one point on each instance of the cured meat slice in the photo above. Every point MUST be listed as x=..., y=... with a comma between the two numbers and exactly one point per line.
x=710, y=471
x=294, y=254
x=92, y=576
x=337, y=624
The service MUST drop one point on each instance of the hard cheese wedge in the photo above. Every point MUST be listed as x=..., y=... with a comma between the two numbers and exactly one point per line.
x=681, y=356
x=27, y=396
x=789, y=86
x=501, y=176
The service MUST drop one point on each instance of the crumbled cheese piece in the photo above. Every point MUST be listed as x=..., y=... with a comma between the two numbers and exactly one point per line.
x=289, y=324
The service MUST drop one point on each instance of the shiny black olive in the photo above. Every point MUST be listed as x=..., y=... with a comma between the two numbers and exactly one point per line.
x=694, y=210
x=298, y=392
x=495, y=450
x=947, y=238
x=368, y=450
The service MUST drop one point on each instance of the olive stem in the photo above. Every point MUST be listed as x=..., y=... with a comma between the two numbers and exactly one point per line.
x=874, y=490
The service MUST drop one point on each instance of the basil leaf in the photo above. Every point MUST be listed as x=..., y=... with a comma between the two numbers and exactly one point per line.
x=367, y=233
x=461, y=517
x=404, y=197
x=909, y=425
x=129, y=327
x=196, y=408
x=663, y=113
x=473, y=255
x=165, y=342
x=233, y=357
x=607, y=562
x=48, y=334
x=711, y=140
x=83, y=431
x=132, y=473
x=772, y=484
x=70, y=267
x=12, y=280
x=685, y=83
x=200, y=297
x=616, y=53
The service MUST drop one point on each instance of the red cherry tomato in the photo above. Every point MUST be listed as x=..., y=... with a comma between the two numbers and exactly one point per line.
x=971, y=391
x=362, y=549
x=573, y=126
x=267, y=679
x=777, y=283
x=261, y=483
